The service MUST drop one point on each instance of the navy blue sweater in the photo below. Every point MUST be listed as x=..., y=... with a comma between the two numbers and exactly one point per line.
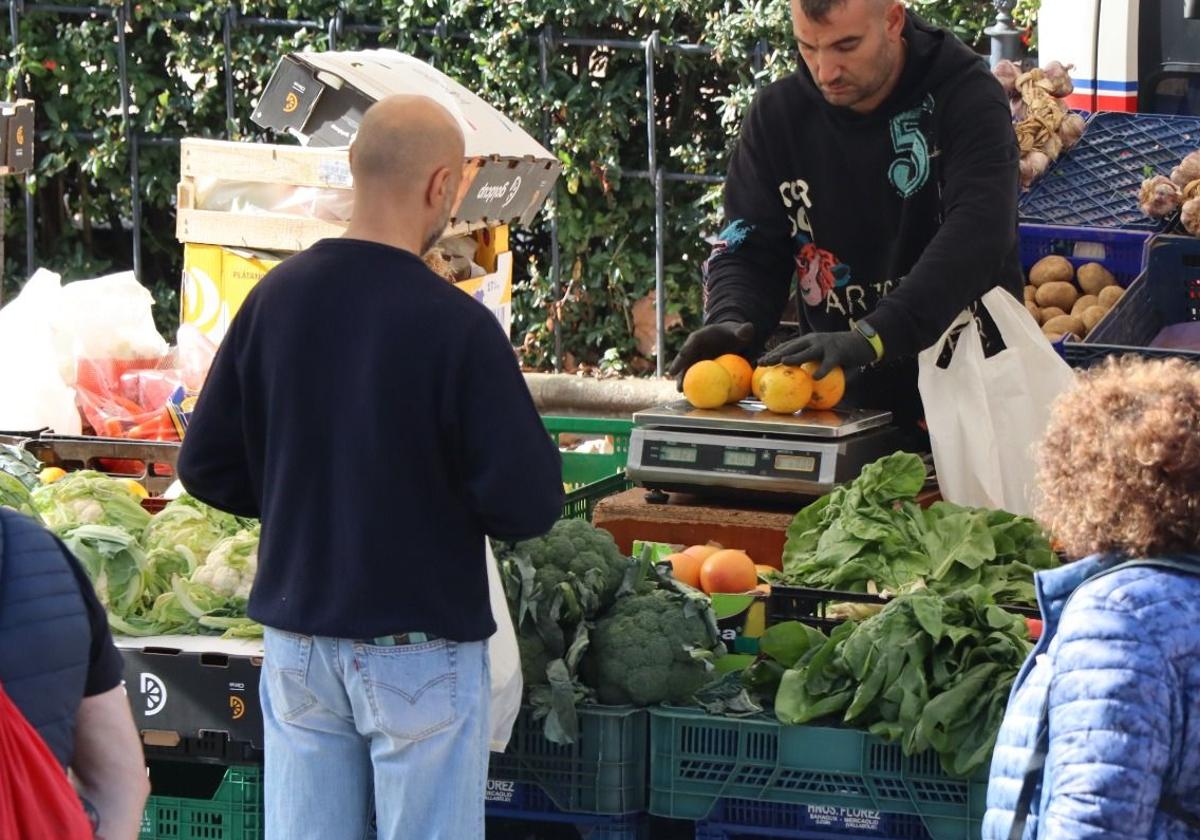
x=376, y=420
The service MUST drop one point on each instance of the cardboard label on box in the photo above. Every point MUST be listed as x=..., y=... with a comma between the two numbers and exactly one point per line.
x=16, y=132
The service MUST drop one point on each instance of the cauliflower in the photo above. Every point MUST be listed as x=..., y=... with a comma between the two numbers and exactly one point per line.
x=87, y=497
x=653, y=648
x=230, y=567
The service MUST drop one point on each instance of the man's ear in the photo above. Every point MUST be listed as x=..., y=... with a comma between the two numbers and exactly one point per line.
x=439, y=184
x=894, y=19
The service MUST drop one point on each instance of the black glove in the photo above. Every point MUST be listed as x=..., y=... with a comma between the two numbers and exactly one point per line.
x=847, y=350
x=710, y=342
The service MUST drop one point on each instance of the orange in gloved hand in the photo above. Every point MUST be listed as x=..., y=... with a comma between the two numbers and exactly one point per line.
x=707, y=384
x=786, y=389
x=740, y=372
x=828, y=391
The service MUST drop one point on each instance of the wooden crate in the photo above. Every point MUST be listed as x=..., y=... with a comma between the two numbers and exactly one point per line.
x=262, y=163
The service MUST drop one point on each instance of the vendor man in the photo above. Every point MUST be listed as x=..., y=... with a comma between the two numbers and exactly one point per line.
x=882, y=177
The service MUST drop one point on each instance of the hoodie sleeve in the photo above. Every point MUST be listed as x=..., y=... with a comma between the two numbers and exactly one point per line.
x=748, y=276
x=979, y=202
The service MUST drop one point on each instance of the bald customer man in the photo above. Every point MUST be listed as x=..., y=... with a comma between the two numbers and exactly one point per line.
x=374, y=418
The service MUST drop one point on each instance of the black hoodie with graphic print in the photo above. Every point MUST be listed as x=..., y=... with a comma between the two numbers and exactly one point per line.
x=902, y=217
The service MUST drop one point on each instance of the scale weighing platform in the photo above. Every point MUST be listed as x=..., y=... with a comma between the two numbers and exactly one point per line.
x=746, y=448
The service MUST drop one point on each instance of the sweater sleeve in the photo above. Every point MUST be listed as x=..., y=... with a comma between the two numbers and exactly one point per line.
x=979, y=202
x=513, y=472
x=212, y=461
x=748, y=276
x=1111, y=702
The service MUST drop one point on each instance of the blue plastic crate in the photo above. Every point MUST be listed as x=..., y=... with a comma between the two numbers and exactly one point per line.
x=737, y=819
x=538, y=808
x=1096, y=183
x=1167, y=292
x=1123, y=252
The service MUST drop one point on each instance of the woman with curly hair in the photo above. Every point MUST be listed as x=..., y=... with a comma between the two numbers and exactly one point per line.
x=1102, y=734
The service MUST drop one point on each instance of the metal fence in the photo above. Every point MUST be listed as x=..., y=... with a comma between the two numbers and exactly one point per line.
x=337, y=27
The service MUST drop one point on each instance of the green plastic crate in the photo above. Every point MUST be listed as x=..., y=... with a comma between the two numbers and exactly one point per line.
x=581, y=468
x=603, y=772
x=697, y=759
x=580, y=503
x=233, y=811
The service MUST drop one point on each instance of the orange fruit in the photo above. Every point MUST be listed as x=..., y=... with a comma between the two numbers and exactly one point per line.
x=764, y=571
x=703, y=552
x=827, y=391
x=685, y=568
x=756, y=380
x=786, y=389
x=740, y=372
x=728, y=571
x=707, y=384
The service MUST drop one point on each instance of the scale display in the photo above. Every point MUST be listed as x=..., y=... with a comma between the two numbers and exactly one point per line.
x=765, y=459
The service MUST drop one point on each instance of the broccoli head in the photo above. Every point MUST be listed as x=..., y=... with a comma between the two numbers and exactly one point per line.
x=652, y=648
x=576, y=562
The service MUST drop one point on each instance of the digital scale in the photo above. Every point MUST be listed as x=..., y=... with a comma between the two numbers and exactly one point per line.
x=746, y=448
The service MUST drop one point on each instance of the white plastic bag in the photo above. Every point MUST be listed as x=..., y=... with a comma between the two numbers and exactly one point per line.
x=111, y=318
x=505, y=660
x=37, y=368
x=986, y=414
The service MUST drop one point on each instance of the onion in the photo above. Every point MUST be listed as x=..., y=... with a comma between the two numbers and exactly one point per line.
x=1159, y=197
x=1187, y=171
x=1059, y=77
x=1191, y=216
x=1033, y=166
x=1071, y=130
x=1006, y=72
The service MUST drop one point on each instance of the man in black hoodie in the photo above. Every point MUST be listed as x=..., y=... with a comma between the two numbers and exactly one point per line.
x=882, y=178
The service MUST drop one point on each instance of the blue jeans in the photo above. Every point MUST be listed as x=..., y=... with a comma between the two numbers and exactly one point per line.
x=345, y=719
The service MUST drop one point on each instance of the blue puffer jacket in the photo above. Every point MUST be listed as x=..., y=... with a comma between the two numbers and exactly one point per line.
x=1122, y=667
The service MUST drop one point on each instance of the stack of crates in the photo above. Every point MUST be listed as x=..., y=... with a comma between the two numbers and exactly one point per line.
x=206, y=788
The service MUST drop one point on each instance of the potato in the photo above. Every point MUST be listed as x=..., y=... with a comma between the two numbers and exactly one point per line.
x=1057, y=293
x=1093, y=277
x=1051, y=312
x=1109, y=296
x=1034, y=310
x=1091, y=316
x=1064, y=324
x=1052, y=336
x=1084, y=302
x=1030, y=292
x=1052, y=269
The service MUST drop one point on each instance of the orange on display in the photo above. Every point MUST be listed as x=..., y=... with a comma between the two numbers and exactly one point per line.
x=729, y=570
x=685, y=568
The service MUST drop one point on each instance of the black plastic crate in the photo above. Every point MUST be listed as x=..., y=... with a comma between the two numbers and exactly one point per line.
x=811, y=606
x=1167, y=292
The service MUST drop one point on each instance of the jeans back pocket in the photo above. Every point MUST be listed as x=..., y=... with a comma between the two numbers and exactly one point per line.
x=411, y=688
x=285, y=663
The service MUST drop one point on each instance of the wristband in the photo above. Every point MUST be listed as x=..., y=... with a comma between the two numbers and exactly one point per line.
x=868, y=332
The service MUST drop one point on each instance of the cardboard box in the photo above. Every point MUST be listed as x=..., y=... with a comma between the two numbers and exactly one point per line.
x=216, y=281
x=187, y=686
x=16, y=135
x=321, y=98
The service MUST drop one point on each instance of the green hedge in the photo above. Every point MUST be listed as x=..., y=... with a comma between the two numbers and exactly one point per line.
x=593, y=108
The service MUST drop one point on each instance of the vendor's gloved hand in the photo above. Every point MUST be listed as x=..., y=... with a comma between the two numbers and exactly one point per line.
x=847, y=350
x=710, y=342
